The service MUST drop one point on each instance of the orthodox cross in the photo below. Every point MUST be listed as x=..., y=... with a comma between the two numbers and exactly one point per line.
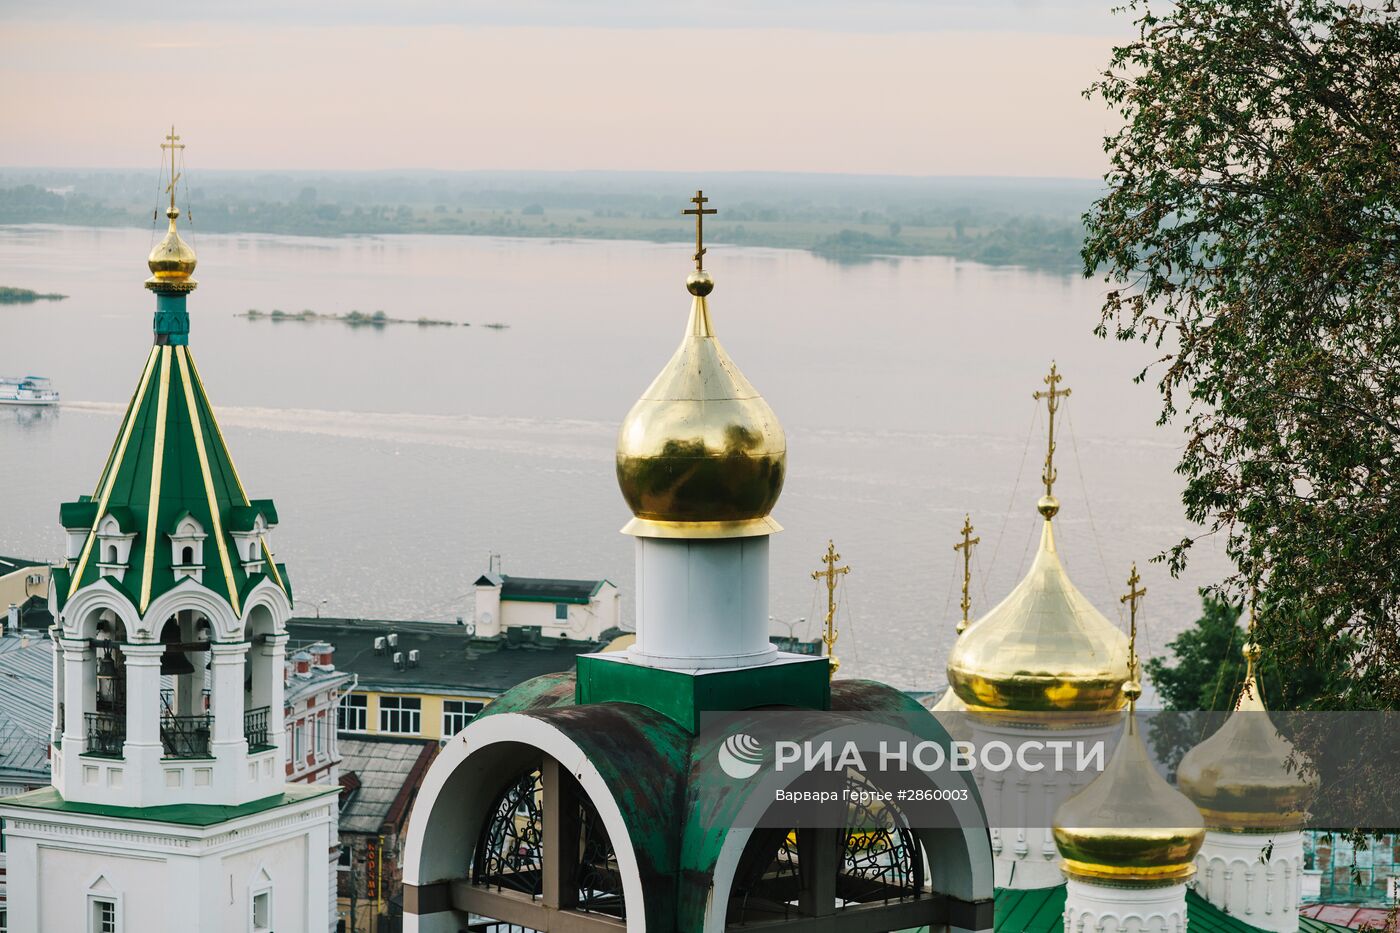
x=966, y=546
x=698, y=212
x=1052, y=398
x=172, y=142
x=831, y=574
x=1132, y=598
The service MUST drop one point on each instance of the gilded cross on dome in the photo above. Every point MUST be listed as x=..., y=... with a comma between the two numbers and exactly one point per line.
x=831, y=574
x=1052, y=398
x=966, y=546
x=1132, y=598
x=172, y=142
x=698, y=212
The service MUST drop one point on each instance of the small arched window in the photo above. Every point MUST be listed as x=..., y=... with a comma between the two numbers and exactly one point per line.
x=187, y=556
x=111, y=553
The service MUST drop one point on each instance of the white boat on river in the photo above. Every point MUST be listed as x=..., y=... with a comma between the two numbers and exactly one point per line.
x=27, y=390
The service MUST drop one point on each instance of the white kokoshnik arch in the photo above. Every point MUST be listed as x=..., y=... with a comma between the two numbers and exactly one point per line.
x=188, y=594
x=80, y=615
x=269, y=596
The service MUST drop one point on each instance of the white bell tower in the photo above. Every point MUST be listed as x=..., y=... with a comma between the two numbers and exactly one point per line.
x=169, y=806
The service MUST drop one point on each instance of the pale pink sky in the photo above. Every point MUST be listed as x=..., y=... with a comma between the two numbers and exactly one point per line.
x=385, y=95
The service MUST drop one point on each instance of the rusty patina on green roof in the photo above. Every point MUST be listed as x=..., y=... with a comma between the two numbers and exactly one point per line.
x=169, y=460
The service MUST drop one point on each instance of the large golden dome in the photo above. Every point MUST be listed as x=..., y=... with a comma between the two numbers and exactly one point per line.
x=1129, y=826
x=172, y=262
x=1239, y=777
x=1042, y=649
x=701, y=454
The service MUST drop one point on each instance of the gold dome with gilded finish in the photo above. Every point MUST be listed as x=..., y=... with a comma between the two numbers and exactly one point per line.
x=1239, y=777
x=172, y=262
x=701, y=454
x=1042, y=649
x=1129, y=826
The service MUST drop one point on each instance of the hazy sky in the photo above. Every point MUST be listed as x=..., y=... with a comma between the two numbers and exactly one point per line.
x=917, y=87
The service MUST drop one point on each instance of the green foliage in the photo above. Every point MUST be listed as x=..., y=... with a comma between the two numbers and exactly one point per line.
x=1206, y=670
x=1251, y=233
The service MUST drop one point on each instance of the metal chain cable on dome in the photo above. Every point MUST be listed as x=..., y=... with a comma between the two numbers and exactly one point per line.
x=850, y=618
x=952, y=586
x=189, y=211
x=155, y=211
x=1020, y=470
x=981, y=579
x=1088, y=509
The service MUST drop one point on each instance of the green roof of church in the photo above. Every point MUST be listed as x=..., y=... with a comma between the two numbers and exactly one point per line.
x=1042, y=910
x=169, y=460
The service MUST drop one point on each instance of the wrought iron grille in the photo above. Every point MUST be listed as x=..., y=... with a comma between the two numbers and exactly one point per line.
x=599, y=881
x=508, y=853
x=255, y=726
x=186, y=736
x=106, y=732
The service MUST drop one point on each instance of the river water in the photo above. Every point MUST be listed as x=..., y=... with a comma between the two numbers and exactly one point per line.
x=400, y=456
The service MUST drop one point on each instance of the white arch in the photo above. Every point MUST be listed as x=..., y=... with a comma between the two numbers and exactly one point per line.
x=516, y=729
x=188, y=594
x=267, y=595
x=974, y=879
x=93, y=598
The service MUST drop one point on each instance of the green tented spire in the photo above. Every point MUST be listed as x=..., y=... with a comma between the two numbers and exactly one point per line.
x=169, y=504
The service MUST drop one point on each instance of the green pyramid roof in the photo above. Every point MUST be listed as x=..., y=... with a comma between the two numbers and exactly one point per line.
x=170, y=459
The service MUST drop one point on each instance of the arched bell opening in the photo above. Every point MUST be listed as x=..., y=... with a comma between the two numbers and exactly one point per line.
x=262, y=674
x=543, y=849
x=186, y=723
x=105, y=723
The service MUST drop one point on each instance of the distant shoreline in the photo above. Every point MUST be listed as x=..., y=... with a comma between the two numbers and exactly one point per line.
x=23, y=296
x=375, y=319
x=1036, y=227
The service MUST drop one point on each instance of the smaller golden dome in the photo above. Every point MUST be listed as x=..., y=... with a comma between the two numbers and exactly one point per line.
x=1239, y=777
x=1042, y=649
x=1129, y=826
x=701, y=454
x=172, y=262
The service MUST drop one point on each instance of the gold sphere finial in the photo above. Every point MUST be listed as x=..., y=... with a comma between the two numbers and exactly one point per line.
x=1251, y=652
x=962, y=626
x=172, y=262
x=1132, y=689
x=699, y=283
x=1048, y=506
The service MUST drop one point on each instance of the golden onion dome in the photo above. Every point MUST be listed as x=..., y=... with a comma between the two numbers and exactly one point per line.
x=1129, y=826
x=172, y=262
x=701, y=455
x=1239, y=777
x=1042, y=649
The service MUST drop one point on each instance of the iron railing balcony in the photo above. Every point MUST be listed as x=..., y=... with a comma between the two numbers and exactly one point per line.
x=186, y=736
x=255, y=727
x=106, y=733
